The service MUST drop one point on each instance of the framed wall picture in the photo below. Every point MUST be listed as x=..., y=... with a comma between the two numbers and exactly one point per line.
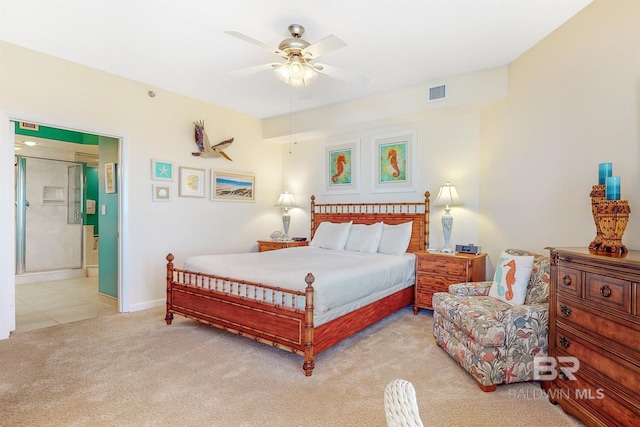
x=192, y=182
x=110, y=178
x=161, y=192
x=232, y=186
x=161, y=170
x=393, y=162
x=342, y=167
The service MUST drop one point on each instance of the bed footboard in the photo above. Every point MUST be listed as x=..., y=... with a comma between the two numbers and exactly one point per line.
x=279, y=317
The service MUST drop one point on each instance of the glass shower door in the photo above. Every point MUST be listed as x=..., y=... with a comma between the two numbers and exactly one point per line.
x=50, y=226
x=74, y=200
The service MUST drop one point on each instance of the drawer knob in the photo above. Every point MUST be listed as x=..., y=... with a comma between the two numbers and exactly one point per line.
x=565, y=310
x=564, y=342
x=566, y=280
x=605, y=291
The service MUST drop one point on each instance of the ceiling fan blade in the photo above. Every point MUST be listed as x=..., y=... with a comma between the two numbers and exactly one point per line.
x=323, y=46
x=257, y=43
x=341, y=74
x=255, y=69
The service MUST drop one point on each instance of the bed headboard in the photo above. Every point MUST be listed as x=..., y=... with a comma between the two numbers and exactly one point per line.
x=370, y=213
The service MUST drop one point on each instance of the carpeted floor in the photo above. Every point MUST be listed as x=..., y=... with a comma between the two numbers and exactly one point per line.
x=134, y=370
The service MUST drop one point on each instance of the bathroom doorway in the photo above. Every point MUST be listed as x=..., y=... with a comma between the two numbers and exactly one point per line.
x=58, y=199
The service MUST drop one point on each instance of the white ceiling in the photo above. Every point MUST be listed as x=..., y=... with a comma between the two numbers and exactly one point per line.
x=180, y=45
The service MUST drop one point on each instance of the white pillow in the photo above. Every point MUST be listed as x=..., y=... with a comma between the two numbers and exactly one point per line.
x=511, y=278
x=331, y=235
x=395, y=238
x=364, y=238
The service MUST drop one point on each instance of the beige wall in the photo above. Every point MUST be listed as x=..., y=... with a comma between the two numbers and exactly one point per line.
x=55, y=92
x=448, y=147
x=573, y=103
x=522, y=145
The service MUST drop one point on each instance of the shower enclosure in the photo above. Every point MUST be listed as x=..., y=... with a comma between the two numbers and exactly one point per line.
x=49, y=216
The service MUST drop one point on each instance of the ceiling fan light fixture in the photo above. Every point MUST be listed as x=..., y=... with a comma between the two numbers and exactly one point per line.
x=296, y=73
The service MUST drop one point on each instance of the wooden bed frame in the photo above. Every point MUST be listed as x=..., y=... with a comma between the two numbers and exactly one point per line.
x=225, y=303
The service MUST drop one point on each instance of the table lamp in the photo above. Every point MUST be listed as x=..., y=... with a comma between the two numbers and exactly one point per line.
x=447, y=196
x=286, y=201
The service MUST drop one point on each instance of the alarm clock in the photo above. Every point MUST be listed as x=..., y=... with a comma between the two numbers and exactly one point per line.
x=468, y=249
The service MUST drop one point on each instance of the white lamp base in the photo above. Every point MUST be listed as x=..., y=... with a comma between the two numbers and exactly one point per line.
x=447, y=225
x=286, y=219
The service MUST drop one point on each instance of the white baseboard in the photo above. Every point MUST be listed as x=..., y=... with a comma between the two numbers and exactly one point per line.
x=147, y=305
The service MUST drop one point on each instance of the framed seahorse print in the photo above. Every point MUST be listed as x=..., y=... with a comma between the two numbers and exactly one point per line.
x=342, y=167
x=393, y=162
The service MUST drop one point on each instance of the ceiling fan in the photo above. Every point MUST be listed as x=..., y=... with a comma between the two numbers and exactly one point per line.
x=299, y=67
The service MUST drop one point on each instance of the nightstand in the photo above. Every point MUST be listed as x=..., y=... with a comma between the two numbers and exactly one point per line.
x=436, y=271
x=272, y=245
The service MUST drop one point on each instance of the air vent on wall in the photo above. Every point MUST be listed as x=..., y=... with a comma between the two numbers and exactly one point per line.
x=29, y=126
x=437, y=93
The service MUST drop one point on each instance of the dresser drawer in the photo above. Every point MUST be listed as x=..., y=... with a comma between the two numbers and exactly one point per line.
x=596, y=359
x=569, y=280
x=443, y=266
x=618, y=332
x=609, y=291
x=607, y=408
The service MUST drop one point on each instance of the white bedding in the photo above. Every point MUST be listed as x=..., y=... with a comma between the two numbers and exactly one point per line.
x=341, y=277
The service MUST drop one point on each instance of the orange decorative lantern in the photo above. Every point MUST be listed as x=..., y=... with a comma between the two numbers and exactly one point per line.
x=612, y=217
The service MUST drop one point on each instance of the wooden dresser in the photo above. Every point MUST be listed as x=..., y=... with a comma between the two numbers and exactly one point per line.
x=594, y=316
x=436, y=271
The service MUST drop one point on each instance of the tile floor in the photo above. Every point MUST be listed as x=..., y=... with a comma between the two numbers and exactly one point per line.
x=44, y=304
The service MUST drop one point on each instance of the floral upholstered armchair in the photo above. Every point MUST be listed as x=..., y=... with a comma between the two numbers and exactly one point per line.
x=493, y=340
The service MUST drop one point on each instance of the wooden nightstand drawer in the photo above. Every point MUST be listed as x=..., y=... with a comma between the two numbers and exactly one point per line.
x=425, y=281
x=424, y=298
x=269, y=246
x=445, y=266
x=609, y=291
x=272, y=245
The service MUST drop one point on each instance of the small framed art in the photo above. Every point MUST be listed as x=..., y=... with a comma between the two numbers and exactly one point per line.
x=110, y=178
x=191, y=182
x=161, y=193
x=342, y=167
x=393, y=164
x=232, y=186
x=161, y=170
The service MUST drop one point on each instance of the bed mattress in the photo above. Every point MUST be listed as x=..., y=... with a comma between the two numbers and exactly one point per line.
x=344, y=280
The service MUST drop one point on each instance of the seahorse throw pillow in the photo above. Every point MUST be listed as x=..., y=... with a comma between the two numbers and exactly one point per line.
x=511, y=278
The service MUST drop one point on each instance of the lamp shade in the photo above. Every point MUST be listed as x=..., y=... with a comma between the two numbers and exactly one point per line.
x=296, y=73
x=286, y=201
x=448, y=196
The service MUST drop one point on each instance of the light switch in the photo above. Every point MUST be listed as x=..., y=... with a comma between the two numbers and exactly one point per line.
x=103, y=209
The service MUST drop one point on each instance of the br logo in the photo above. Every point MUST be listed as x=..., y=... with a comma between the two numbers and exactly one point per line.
x=545, y=368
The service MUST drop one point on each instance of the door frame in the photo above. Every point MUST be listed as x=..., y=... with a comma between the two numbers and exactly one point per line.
x=7, y=138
